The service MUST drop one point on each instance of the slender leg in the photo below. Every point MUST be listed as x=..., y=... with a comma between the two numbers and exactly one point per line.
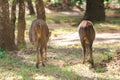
x=38, y=57
x=83, y=53
x=91, y=56
x=45, y=52
x=42, y=58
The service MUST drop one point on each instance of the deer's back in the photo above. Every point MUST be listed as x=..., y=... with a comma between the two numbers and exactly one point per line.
x=39, y=31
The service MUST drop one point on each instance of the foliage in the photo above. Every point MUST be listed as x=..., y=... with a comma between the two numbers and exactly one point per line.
x=3, y=53
x=57, y=0
x=77, y=2
x=21, y=46
x=111, y=2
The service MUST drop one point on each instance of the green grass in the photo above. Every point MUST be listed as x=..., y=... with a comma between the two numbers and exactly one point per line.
x=62, y=30
x=23, y=66
x=110, y=25
x=25, y=71
x=62, y=19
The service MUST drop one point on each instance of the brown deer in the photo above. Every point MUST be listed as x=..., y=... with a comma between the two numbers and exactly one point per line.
x=39, y=35
x=87, y=36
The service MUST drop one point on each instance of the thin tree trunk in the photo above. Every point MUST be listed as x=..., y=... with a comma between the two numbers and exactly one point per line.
x=6, y=31
x=40, y=9
x=30, y=7
x=13, y=19
x=21, y=25
x=95, y=10
x=48, y=0
x=2, y=28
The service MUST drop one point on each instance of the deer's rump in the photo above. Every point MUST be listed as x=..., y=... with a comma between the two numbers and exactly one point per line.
x=86, y=33
x=38, y=31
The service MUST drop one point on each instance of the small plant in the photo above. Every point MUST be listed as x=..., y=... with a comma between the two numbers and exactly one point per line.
x=21, y=46
x=100, y=69
x=3, y=53
x=23, y=75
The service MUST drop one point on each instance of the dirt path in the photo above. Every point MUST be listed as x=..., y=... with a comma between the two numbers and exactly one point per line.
x=73, y=38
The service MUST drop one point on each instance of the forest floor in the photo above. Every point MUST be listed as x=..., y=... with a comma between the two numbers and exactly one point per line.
x=65, y=52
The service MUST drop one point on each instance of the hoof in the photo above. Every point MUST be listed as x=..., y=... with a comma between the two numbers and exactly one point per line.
x=37, y=65
x=91, y=66
x=91, y=62
x=46, y=59
x=83, y=62
x=43, y=64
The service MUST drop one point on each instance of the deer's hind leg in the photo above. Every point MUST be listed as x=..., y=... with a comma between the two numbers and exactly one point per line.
x=46, y=52
x=83, y=52
x=91, y=55
x=42, y=57
x=38, y=56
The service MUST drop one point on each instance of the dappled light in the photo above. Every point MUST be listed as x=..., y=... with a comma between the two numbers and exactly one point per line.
x=73, y=38
x=107, y=38
x=64, y=49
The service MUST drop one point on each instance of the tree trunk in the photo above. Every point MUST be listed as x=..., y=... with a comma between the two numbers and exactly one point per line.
x=48, y=0
x=6, y=31
x=40, y=9
x=30, y=7
x=13, y=19
x=95, y=10
x=21, y=25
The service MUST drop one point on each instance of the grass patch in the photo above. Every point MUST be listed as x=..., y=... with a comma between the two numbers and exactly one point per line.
x=62, y=30
x=62, y=19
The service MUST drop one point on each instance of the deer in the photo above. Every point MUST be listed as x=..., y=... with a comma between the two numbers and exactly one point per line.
x=39, y=35
x=87, y=35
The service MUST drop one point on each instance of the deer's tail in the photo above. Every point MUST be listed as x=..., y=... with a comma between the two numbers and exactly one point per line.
x=38, y=31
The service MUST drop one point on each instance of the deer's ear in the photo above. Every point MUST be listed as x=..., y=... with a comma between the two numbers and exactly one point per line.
x=50, y=34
